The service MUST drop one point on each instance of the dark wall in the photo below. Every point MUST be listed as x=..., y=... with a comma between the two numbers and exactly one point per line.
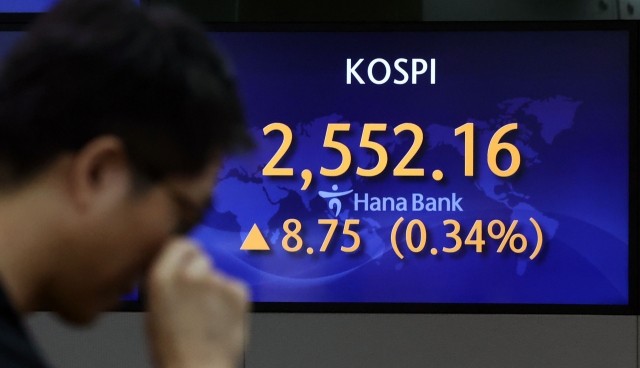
x=209, y=11
x=405, y=10
x=330, y=10
x=300, y=10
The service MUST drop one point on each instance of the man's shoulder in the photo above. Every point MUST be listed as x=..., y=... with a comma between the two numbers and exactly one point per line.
x=17, y=350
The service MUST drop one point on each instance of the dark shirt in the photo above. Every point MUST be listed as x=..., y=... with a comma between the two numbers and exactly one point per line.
x=17, y=350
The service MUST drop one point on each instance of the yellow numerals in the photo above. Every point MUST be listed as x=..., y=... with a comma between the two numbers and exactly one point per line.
x=476, y=231
x=496, y=146
x=333, y=224
x=473, y=238
x=467, y=130
x=454, y=235
x=423, y=236
x=418, y=138
x=517, y=241
x=270, y=168
x=416, y=236
x=294, y=235
x=366, y=142
x=351, y=233
x=329, y=142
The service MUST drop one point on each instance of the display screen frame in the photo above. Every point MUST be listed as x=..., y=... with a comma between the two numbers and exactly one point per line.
x=18, y=22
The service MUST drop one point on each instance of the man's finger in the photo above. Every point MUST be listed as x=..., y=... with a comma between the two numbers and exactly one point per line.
x=174, y=257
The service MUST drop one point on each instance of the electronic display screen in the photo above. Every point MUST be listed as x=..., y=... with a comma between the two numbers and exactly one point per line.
x=445, y=170
x=428, y=168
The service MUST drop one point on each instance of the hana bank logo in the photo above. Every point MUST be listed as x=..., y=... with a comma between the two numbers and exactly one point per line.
x=335, y=203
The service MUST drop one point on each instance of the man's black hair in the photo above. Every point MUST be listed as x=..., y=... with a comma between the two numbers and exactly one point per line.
x=108, y=67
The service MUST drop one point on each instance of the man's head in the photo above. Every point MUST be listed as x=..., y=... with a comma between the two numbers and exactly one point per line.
x=121, y=115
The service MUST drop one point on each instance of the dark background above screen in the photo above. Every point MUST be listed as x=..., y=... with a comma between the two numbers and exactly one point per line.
x=29, y=6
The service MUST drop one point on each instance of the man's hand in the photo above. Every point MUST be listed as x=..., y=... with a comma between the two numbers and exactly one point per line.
x=196, y=316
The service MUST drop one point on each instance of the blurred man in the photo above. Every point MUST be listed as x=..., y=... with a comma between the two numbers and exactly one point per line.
x=113, y=121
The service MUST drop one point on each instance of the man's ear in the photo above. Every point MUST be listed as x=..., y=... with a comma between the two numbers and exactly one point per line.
x=99, y=173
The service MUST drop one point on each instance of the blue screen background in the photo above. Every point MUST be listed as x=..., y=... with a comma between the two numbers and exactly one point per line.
x=568, y=91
